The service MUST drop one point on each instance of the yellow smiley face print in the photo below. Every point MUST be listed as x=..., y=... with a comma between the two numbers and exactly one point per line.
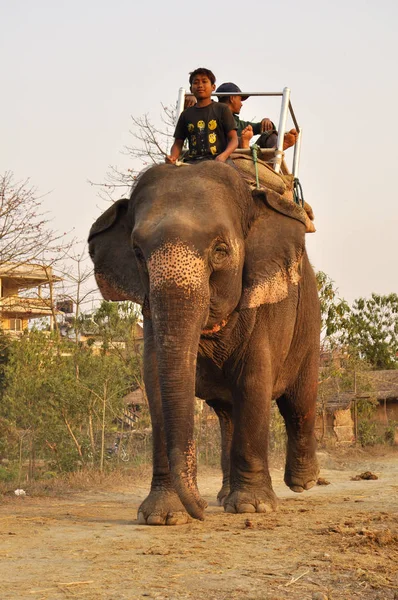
x=193, y=140
x=213, y=149
x=212, y=138
x=201, y=125
x=212, y=124
x=191, y=127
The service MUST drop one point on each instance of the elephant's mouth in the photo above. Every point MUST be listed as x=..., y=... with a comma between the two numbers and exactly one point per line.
x=216, y=328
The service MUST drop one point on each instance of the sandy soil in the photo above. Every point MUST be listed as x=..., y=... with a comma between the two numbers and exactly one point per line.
x=334, y=542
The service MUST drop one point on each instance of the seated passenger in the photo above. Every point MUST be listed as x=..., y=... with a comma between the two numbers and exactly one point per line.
x=209, y=126
x=246, y=129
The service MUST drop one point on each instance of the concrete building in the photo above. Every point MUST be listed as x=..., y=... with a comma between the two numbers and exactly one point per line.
x=15, y=309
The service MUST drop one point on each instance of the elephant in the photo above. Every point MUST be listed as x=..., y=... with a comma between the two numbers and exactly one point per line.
x=231, y=315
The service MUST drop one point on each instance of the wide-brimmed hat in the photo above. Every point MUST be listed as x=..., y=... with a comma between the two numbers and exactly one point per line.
x=231, y=88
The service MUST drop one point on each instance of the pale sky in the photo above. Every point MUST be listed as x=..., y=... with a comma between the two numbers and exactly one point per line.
x=73, y=72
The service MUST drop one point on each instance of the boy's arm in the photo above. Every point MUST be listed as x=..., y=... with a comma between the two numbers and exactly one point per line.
x=175, y=151
x=232, y=145
x=180, y=134
x=229, y=126
x=260, y=127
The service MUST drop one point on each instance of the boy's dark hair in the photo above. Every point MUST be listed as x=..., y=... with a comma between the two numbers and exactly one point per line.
x=202, y=71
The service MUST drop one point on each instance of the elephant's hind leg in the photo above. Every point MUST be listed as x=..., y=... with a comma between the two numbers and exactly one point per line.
x=298, y=408
x=223, y=411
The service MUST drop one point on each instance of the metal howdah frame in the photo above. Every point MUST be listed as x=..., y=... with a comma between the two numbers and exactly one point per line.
x=286, y=107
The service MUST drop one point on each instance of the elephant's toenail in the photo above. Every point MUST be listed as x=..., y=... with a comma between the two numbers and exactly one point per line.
x=264, y=508
x=141, y=519
x=246, y=508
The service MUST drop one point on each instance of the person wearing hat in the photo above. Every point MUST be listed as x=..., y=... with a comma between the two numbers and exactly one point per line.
x=246, y=129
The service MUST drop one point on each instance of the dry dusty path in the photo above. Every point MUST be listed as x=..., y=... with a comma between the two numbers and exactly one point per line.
x=338, y=541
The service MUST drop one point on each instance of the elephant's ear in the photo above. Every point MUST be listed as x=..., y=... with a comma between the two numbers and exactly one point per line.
x=274, y=250
x=115, y=265
x=288, y=208
x=109, y=217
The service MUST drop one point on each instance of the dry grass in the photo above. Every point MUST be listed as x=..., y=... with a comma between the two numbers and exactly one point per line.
x=80, y=481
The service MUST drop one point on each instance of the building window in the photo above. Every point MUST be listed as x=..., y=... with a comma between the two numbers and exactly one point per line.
x=15, y=324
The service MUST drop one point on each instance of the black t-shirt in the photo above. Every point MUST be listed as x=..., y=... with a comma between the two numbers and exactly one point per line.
x=206, y=128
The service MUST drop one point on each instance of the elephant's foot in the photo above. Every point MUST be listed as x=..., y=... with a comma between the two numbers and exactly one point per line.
x=201, y=501
x=301, y=473
x=222, y=494
x=162, y=508
x=250, y=500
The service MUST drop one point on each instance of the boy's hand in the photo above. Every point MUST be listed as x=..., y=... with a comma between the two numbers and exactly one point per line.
x=189, y=101
x=221, y=157
x=246, y=136
x=175, y=152
x=266, y=125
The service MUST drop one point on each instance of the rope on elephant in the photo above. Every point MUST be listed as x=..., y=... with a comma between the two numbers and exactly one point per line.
x=255, y=149
x=298, y=195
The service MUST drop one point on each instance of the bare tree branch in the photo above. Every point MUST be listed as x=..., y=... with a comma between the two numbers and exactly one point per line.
x=25, y=232
x=150, y=146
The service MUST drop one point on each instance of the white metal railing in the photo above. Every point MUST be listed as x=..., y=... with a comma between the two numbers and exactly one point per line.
x=286, y=108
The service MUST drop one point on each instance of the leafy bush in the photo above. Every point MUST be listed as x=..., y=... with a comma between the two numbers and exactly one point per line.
x=9, y=473
x=277, y=434
x=390, y=432
x=369, y=434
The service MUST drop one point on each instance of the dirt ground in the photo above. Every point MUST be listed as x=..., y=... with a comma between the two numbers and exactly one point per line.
x=334, y=542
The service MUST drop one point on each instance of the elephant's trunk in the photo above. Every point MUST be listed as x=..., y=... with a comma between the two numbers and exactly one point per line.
x=178, y=310
x=177, y=332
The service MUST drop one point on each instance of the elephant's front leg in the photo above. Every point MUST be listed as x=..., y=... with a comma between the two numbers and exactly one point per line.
x=223, y=411
x=162, y=506
x=251, y=487
x=298, y=408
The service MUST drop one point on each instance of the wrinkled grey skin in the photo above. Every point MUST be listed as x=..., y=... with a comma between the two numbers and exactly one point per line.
x=231, y=314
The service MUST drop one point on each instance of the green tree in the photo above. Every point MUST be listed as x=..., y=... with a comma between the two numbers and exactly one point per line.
x=25, y=404
x=370, y=330
x=333, y=310
x=5, y=342
x=116, y=320
x=62, y=398
x=114, y=325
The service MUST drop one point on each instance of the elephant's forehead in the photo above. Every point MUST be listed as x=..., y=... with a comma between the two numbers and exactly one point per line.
x=177, y=263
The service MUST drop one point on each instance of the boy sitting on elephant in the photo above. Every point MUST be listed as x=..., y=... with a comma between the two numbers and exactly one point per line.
x=246, y=129
x=209, y=126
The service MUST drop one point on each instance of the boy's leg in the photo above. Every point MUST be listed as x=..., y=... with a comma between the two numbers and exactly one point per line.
x=269, y=139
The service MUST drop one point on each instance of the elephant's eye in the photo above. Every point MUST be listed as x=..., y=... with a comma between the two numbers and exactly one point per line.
x=138, y=253
x=220, y=252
